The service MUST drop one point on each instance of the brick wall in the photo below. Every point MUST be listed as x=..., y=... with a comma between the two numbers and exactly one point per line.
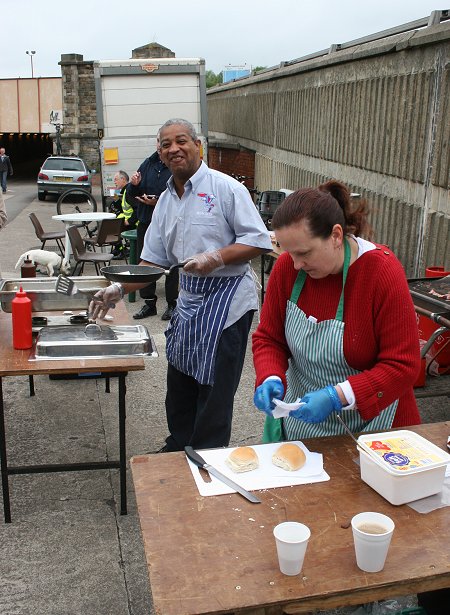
x=233, y=161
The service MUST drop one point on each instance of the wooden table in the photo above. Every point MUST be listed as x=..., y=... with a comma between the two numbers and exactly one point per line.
x=16, y=363
x=217, y=554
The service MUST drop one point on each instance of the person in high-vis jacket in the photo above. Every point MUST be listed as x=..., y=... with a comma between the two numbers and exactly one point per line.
x=338, y=332
x=208, y=221
x=124, y=209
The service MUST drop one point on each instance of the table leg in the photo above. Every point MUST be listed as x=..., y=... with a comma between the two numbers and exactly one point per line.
x=122, y=445
x=31, y=384
x=67, y=249
x=4, y=462
x=132, y=296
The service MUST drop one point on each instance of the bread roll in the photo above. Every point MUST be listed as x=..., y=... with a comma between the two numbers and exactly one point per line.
x=289, y=457
x=242, y=459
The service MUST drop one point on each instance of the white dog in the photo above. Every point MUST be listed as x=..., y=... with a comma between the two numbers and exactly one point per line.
x=50, y=260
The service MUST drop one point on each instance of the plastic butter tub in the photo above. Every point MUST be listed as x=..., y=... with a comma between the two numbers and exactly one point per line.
x=401, y=465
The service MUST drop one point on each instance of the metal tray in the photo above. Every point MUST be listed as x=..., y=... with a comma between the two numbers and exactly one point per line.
x=93, y=342
x=420, y=291
x=43, y=295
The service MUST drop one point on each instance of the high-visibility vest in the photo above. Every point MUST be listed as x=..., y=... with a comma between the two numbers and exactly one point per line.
x=127, y=210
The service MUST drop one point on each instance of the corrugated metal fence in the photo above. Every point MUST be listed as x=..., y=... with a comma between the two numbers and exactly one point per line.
x=375, y=115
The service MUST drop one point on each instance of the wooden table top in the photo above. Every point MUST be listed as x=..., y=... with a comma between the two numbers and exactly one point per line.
x=217, y=554
x=15, y=362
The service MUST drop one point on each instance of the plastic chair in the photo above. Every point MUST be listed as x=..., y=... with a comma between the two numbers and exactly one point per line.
x=82, y=256
x=43, y=236
x=108, y=234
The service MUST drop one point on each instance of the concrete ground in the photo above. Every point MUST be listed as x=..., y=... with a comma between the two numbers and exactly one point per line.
x=68, y=551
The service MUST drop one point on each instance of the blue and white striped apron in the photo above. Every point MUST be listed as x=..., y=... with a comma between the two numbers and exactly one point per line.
x=318, y=360
x=197, y=324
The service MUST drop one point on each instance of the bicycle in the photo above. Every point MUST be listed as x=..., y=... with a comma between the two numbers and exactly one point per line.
x=76, y=200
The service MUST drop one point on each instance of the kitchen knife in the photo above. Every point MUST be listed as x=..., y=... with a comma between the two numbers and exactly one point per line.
x=201, y=463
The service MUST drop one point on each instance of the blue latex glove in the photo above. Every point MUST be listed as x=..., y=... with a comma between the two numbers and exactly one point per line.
x=318, y=405
x=265, y=393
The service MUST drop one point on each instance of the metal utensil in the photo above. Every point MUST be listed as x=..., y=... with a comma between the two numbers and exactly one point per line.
x=347, y=429
x=201, y=463
x=358, y=444
x=65, y=285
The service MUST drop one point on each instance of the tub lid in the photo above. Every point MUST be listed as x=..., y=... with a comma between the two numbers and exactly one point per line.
x=403, y=452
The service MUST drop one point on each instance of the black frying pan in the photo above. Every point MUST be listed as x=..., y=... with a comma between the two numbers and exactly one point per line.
x=135, y=274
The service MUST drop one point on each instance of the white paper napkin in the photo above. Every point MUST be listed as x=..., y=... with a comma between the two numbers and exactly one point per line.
x=282, y=408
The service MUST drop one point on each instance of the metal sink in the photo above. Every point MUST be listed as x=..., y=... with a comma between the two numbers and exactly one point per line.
x=43, y=295
x=93, y=342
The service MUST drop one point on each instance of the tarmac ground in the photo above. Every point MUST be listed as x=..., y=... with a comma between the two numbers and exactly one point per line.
x=68, y=551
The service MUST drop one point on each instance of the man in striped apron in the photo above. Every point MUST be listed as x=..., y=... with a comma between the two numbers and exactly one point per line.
x=207, y=220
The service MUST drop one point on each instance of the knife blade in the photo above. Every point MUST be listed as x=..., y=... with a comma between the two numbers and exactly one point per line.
x=201, y=463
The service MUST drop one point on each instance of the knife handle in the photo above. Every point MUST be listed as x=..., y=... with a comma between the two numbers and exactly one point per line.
x=194, y=457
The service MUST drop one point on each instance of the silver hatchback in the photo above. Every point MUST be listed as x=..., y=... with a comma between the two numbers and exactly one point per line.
x=60, y=173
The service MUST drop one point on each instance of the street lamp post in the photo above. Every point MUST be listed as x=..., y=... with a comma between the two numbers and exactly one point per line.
x=31, y=54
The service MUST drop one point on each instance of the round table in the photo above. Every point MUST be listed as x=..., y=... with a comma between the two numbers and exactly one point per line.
x=71, y=219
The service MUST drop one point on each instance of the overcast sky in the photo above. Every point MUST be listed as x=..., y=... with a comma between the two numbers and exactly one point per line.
x=223, y=32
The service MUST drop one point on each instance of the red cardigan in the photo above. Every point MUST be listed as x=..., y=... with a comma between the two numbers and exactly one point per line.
x=380, y=335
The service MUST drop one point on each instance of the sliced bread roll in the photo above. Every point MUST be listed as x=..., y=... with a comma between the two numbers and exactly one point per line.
x=242, y=459
x=289, y=457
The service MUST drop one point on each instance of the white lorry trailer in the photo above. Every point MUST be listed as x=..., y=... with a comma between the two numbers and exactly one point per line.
x=134, y=98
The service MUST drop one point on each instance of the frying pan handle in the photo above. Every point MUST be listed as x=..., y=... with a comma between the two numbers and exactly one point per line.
x=176, y=266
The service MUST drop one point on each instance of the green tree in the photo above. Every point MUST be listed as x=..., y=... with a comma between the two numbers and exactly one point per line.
x=212, y=79
x=257, y=69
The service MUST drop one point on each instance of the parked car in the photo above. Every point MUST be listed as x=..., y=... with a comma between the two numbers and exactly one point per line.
x=60, y=173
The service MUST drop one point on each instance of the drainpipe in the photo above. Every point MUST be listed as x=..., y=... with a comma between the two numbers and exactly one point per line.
x=429, y=161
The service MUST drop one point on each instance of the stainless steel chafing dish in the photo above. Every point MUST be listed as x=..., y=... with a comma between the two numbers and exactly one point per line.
x=93, y=341
x=43, y=295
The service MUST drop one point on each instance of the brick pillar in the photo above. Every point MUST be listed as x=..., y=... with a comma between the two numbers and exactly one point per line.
x=79, y=133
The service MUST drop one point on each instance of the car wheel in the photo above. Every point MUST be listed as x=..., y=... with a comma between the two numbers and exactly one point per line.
x=42, y=195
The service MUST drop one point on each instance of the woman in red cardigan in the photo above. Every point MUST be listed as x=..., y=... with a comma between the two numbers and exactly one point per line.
x=338, y=330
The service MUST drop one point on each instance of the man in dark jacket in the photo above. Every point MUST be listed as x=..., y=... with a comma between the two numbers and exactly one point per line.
x=146, y=185
x=5, y=168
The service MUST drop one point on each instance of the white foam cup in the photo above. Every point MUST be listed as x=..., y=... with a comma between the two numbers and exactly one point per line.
x=291, y=539
x=372, y=533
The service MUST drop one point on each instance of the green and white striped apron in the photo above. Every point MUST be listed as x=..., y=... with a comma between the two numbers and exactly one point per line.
x=317, y=360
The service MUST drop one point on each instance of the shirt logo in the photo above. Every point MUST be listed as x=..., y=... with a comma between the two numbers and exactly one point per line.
x=207, y=199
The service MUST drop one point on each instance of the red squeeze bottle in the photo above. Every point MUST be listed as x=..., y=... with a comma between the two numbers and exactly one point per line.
x=21, y=321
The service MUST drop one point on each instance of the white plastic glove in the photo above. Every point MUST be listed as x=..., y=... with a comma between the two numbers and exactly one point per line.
x=204, y=263
x=105, y=299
